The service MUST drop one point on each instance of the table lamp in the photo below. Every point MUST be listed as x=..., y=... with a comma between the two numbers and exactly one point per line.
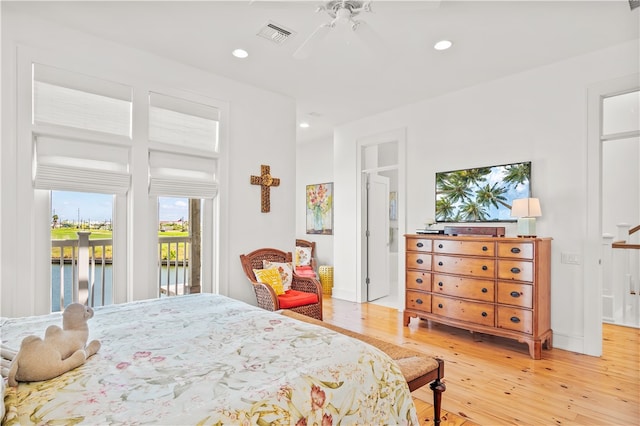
x=526, y=210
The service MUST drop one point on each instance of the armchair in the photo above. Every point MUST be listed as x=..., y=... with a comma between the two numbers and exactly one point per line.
x=310, y=269
x=304, y=297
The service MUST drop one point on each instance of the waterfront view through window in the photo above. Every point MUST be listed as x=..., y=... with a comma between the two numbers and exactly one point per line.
x=74, y=214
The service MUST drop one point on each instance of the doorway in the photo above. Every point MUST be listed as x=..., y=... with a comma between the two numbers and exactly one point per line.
x=620, y=137
x=381, y=221
x=593, y=285
x=377, y=277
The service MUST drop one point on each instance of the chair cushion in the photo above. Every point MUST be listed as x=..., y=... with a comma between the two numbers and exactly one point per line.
x=295, y=298
x=303, y=256
x=286, y=272
x=305, y=271
x=270, y=277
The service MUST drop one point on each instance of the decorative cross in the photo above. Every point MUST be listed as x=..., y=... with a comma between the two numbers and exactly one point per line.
x=266, y=181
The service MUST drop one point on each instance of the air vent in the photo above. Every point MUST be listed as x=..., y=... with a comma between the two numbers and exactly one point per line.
x=276, y=33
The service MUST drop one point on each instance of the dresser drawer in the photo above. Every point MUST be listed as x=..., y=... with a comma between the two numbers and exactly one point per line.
x=418, y=280
x=515, y=270
x=418, y=244
x=515, y=319
x=419, y=261
x=478, y=267
x=475, y=248
x=468, y=288
x=515, y=250
x=515, y=294
x=418, y=301
x=479, y=313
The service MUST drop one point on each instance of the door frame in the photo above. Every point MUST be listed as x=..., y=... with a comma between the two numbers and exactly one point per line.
x=592, y=320
x=400, y=137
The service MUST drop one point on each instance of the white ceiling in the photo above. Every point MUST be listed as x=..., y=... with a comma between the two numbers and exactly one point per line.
x=344, y=79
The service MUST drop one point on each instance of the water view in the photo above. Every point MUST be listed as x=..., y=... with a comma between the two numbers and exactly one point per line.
x=74, y=212
x=167, y=275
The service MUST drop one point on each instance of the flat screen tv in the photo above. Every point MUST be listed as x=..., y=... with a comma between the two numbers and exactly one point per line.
x=481, y=194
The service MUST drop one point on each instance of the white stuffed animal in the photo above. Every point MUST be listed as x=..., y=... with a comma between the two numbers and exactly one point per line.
x=62, y=349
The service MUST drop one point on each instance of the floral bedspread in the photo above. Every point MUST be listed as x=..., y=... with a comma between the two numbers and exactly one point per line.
x=208, y=360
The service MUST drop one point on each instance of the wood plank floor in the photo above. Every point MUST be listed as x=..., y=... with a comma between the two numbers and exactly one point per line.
x=493, y=381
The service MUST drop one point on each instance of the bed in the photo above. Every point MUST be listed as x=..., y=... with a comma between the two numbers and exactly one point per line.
x=207, y=359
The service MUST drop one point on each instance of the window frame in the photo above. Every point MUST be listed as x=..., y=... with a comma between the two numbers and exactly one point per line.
x=135, y=217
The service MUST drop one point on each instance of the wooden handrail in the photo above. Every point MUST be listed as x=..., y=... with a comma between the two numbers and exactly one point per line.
x=623, y=245
x=634, y=230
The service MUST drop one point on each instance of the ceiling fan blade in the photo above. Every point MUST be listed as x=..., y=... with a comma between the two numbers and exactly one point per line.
x=309, y=45
x=371, y=39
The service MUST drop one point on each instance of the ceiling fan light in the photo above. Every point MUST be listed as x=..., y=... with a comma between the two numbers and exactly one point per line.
x=443, y=45
x=240, y=53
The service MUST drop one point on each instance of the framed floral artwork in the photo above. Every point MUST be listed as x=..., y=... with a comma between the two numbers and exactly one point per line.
x=320, y=208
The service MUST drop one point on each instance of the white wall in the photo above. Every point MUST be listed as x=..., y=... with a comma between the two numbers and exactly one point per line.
x=314, y=164
x=539, y=116
x=261, y=131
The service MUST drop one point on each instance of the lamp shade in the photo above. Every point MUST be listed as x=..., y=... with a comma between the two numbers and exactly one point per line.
x=526, y=207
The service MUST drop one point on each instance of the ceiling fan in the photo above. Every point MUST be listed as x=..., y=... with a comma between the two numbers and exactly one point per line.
x=341, y=12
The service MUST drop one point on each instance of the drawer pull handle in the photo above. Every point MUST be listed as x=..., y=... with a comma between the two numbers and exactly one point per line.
x=515, y=319
x=419, y=301
x=484, y=314
x=485, y=248
x=484, y=267
x=440, y=246
x=419, y=280
x=515, y=270
x=440, y=305
x=420, y=261
x=515, y=294
x=515, y=250
x=440, y=263
x=484, y=290
x=440, y=284
x=420, y=245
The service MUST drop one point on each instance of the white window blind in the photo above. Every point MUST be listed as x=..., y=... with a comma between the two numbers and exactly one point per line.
x=74, y=100
x=69, y=165
x=182, y=122
x=181, y=175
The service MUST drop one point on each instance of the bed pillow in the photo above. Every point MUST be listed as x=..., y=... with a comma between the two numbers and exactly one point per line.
x=285, y=270
x=270, y=277
x=303, y=256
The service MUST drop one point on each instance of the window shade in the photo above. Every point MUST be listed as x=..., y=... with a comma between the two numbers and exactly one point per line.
x=74, y=100
x=181, y=122
x=180, y=175
x=69, y=165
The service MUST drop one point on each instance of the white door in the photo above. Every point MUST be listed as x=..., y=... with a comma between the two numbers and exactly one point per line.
x=377, y=232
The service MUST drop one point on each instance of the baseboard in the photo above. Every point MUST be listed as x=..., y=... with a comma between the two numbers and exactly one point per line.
x=568, y=343
x=342, y=294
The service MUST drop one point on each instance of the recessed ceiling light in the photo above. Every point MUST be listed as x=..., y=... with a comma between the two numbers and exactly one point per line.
x=304, y=125
x=240, y=53
x=443, y=45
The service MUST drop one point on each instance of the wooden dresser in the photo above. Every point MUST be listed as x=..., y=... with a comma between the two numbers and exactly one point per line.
x=491, y=285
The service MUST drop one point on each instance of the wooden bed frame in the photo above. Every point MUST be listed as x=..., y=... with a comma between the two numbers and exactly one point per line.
x=418, y=369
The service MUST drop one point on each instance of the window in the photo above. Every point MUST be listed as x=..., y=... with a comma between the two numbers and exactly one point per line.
x=182, y=122
x=621, y=113
x=74, y=100
x=81, y=131
x=183, y=168
x=75, y=215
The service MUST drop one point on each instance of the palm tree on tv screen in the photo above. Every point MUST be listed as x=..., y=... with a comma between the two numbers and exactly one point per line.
x=492, y=196
x=471, y=195
x=517, y=173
